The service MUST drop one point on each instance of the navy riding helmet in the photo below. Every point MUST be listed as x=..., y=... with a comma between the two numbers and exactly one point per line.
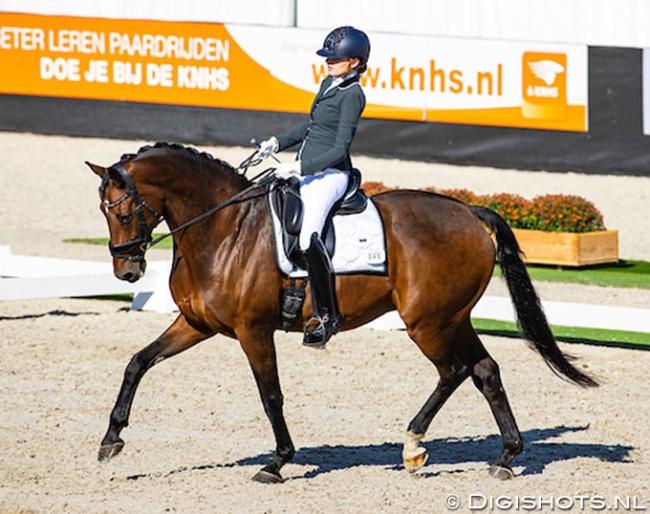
x=347, y=42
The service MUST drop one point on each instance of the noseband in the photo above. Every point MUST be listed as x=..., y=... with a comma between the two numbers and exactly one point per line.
x=135, y=249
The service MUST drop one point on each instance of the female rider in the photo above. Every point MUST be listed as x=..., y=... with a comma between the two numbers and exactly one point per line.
x=323, y=164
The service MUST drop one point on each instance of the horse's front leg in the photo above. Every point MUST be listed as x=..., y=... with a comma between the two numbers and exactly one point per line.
x=178, y=337
x=260, y=350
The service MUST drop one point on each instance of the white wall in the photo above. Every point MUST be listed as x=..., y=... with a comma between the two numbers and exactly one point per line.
x=594, y=22
x=255, y=12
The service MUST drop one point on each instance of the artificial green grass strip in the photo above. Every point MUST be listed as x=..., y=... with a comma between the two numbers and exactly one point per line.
x=623, y=274
x=597, y=336
x=165, y=244
x=626, y=273
x=87, y=240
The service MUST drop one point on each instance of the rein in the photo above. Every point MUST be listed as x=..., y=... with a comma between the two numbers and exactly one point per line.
x=144, y=241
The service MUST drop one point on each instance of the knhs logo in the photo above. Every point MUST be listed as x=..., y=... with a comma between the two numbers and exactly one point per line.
x=544, y=91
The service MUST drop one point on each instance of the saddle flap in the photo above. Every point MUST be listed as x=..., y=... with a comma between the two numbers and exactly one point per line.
x=286, y=201
x=356, y=243
x=291, y=206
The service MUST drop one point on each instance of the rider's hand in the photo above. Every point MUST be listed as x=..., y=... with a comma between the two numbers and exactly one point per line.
x=286, y=170
x=268, y=147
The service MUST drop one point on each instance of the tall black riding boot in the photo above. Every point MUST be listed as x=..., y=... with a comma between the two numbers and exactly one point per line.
x=326, y=320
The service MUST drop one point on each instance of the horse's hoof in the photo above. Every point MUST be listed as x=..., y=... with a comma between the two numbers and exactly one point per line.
x=501, y=473
x=108, y=451
x=264, y=476
x=413, y=463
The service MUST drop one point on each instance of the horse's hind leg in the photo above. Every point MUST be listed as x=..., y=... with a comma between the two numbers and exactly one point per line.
x=452, y=374
x=485, y=373
x=414, y=455
x=178, y=337
x=486, y=377
x=466, y=357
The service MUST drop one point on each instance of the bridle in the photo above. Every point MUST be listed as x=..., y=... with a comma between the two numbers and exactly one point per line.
x=144, y=241
x=135, y=249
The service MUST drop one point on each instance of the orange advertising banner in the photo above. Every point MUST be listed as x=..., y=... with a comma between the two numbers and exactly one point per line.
x=135, y=60
x=418, y=78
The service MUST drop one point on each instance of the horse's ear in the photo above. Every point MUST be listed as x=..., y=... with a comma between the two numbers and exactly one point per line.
x=110, y=172
x=116, y=177
x=98, y=170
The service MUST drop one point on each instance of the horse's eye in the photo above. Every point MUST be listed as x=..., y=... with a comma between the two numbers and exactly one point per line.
x=125, y=219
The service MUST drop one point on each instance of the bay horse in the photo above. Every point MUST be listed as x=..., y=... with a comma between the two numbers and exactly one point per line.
x=440, y=259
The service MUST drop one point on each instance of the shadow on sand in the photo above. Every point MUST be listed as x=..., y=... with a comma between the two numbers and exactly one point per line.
x=537, y=454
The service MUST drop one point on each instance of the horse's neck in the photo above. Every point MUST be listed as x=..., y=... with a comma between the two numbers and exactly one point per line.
x=194, y=194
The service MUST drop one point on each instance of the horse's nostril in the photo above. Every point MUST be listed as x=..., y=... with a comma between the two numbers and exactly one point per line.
x=129, y=276
x=129, y=271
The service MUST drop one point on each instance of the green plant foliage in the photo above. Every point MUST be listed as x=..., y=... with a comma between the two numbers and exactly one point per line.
x=550, y=213
x=564, y=213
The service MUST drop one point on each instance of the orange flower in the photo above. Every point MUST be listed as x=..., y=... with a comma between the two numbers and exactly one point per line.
x=556, y=213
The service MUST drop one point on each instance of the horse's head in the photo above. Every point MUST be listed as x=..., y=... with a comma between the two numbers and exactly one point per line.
x=130, y=219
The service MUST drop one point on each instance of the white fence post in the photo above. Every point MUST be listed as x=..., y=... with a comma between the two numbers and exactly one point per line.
x=26, y=277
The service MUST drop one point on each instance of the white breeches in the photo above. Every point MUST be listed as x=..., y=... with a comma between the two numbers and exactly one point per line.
x=319, y=193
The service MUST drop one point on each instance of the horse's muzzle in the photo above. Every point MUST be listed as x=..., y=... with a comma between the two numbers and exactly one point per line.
x=129, y=271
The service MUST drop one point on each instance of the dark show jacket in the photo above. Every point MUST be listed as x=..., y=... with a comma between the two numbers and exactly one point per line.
x=327, y=135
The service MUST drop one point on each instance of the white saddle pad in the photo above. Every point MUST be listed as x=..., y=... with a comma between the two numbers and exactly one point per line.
x=360, y=244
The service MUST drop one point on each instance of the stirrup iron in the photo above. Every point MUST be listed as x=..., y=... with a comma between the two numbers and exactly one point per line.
x=320, y=330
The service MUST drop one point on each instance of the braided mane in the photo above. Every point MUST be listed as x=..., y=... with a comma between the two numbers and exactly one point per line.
x=213, y=164
x=175, y=147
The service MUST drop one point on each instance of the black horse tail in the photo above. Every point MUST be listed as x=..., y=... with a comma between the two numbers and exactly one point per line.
x=531, y=319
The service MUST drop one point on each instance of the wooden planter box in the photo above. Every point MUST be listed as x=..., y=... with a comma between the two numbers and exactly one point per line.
x=568, y=249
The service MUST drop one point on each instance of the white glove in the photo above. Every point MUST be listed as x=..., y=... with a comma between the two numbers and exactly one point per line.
x=268, y=147
x=286, y=170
